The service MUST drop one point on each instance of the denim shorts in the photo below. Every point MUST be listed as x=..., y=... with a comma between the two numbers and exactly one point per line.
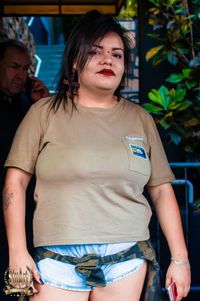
x=63, y=275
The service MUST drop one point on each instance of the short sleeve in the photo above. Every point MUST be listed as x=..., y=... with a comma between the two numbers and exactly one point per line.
x=160, y=170
x=26, y=144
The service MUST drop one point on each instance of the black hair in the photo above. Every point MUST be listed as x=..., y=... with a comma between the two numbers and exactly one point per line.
x=91, y=27
x=6, y=44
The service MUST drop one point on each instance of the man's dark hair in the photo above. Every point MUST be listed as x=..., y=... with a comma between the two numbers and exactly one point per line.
x=6, y=44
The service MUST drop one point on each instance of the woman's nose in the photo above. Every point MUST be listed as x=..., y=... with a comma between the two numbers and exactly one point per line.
x=107, y=58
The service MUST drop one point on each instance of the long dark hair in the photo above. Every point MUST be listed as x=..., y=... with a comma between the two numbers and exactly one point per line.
x=92, y=27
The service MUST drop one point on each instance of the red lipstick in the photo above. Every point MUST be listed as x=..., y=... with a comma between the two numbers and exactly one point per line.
x=107, y=72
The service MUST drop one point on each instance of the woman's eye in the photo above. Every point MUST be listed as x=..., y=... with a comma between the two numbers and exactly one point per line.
x=94, y=52
x=117, y=55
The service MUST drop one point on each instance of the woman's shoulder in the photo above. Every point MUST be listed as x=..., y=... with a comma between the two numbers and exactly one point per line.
x=43, y=107
x=42, y=104
x=39, y=111
x=136, y=108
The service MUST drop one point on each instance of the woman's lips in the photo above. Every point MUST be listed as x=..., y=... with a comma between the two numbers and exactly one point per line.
x=107, y=72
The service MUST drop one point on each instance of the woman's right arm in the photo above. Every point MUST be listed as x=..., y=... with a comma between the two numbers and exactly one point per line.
x=14, y=200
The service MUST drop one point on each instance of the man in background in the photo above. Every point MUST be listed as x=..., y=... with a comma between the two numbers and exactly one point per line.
x=18, y=91
x=16, y=28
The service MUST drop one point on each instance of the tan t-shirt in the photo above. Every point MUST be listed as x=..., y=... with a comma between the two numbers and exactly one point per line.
x=91, y=167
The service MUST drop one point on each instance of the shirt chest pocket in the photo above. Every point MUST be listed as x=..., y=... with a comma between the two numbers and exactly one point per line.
x=138, y=159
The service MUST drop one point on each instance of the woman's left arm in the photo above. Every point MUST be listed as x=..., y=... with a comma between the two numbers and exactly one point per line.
x=167, y=211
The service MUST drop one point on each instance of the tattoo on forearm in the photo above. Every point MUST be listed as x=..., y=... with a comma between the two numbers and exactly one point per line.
x=7, y=199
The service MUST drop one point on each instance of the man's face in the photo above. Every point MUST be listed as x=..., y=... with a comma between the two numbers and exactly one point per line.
x=13, y=71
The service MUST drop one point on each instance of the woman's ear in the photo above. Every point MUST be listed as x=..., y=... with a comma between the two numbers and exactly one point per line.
x=74, y=65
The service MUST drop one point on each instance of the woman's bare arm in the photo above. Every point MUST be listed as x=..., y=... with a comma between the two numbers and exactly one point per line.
x=14, y=196
x=14, y=200
x=167, y=210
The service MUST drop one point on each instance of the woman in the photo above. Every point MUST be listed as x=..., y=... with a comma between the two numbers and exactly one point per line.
x=92, y=152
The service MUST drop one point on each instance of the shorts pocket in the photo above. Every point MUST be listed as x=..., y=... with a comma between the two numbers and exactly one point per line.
x=138, y=159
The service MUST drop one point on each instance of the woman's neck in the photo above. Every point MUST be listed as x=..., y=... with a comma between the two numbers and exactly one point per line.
x=96, y=101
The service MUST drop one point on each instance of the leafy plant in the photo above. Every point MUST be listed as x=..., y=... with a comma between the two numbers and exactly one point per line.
x=176, y=106
x=129, y=10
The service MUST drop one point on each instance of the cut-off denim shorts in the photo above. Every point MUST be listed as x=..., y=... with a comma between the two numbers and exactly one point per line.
x=63, y=275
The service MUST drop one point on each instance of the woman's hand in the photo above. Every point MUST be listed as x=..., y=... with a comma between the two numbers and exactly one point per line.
x=168, y=213
x=22, y=262
x=181, y=275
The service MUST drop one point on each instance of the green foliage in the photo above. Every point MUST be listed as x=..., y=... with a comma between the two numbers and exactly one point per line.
x=129, y=10
x=196, y=206
x=167, y=106
x=175, y=25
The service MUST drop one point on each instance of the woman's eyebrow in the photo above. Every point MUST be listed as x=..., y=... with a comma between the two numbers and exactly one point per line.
x=114, y=48
x=97, y=46
x=118, y=48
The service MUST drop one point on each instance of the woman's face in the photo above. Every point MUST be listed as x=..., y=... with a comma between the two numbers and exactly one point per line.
x=105, y=65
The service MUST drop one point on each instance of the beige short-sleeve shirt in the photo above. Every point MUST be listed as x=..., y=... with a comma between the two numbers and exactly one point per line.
x=91, y=167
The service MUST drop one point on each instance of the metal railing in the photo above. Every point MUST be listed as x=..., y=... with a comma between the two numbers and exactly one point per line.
x=189, y=197
x=186, y=213
x=38, y=59
x=38, y=65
